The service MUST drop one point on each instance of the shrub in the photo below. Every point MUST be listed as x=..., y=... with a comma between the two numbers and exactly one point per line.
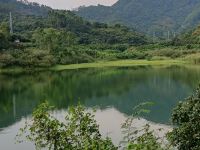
x=80, y=131
x=6, y=60
x=139, y=139
x=4, y=43
x=186, y=116
x=146, y=141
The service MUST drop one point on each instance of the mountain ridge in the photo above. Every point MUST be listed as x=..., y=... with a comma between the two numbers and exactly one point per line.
x=23, y=7
x=148, y=16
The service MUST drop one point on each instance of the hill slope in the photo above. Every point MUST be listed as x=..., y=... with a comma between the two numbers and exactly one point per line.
x=47, y=37
x=148, y=15
x=22, y=7
x=190, y=38
x=30, y=16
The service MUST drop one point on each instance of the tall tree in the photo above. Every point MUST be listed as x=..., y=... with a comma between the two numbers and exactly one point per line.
x=4, y=35
x=53, y=39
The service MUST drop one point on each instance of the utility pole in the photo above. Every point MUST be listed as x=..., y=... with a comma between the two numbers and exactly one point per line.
x=11, y=24
x=168, y=34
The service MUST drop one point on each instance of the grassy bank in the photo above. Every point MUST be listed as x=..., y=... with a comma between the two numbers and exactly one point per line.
x=119, y=63
x=100, y=64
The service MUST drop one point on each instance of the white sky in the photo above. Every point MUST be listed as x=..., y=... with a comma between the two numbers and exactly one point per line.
x=71, y=4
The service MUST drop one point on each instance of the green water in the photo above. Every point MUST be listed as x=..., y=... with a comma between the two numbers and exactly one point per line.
x=117, y=89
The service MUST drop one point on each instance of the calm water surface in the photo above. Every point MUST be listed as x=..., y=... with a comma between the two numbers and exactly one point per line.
x=113, y=91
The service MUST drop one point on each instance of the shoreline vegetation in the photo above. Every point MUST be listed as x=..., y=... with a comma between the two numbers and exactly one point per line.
x=101, y=64
x=190, y=58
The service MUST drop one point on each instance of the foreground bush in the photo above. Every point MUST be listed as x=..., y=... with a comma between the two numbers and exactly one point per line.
x=140, y=139
x=79, y=132
x=186, y=116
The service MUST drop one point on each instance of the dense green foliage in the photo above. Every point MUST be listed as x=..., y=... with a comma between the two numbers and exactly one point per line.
x=191, y=39
x=186, y=136
x=4, y=36
x=159, y=16
x=51, y=39
x=59, y=37
x=80, y=131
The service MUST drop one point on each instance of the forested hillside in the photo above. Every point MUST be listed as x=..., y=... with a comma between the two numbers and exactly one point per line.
x=44, y=37
x=22, y=7
x=50, y=36
x=192, y=37
x=160, y=16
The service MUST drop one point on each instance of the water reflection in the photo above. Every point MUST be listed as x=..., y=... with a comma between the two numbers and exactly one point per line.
x=118, y=88
x=109, y=120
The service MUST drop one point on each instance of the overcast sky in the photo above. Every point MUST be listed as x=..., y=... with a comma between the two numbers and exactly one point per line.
x=71, y=4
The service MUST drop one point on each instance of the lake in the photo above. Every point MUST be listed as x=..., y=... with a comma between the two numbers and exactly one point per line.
x=112, y=91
